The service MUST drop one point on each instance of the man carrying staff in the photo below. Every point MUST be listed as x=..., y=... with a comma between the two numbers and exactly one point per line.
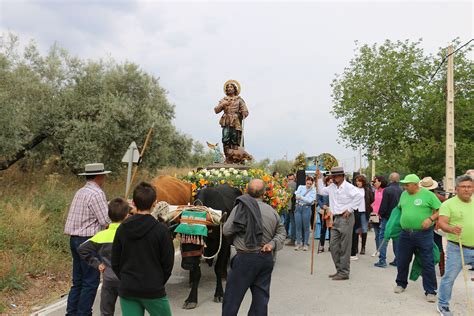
x=87, y=216
x=456, y=218
x=344, y=198
x=257, y=233
x=235, y=111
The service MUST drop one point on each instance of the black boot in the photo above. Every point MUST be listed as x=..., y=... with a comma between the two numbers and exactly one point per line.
x=364, y=241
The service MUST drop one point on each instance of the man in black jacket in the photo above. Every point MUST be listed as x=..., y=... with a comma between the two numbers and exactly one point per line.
x=143, y=258
x=390, y=198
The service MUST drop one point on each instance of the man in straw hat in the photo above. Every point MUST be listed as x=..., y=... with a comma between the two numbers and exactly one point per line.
x=429, y=184
x=87, y=216
x=235, y=111
x=344, y=198
x=419, y=210
x=456, y=218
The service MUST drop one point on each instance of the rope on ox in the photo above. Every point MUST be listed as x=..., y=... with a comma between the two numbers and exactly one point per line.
x=219, y=249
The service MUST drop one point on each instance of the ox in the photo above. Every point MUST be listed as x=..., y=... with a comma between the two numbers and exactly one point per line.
x=176, y=192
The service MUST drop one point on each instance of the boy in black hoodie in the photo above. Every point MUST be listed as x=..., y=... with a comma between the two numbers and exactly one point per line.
x=143, y=258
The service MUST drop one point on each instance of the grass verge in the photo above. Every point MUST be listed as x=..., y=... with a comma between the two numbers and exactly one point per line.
x=35, y=261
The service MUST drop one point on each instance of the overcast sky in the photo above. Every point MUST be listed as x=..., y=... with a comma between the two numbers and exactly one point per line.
x=284, y=54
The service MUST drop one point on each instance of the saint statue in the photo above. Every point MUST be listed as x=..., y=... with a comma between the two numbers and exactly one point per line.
x=235, y=111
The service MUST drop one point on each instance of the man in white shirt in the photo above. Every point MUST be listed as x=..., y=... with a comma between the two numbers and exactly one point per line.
x=344, y=198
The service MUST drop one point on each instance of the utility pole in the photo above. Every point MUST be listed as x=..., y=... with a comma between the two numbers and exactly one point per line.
x=373, y=163
x=450, y=144
x=355, y=163
x=360, y=160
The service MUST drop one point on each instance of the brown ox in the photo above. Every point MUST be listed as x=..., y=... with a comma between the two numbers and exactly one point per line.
x=172, y=190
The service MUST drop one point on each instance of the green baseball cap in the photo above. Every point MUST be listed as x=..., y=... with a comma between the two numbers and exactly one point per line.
x=410, y=178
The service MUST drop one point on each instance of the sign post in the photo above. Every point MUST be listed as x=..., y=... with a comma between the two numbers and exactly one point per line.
x=131, y=156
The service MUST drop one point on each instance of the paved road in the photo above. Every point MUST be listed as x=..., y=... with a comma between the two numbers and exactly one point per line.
x=295, y=292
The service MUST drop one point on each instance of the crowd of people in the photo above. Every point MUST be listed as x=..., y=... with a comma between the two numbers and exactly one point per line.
x=135, y=253
x=423, y=216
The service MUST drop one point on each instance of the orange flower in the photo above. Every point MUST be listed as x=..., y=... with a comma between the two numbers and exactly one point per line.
x=266, y=178
x=193, y=187
x=202, y=182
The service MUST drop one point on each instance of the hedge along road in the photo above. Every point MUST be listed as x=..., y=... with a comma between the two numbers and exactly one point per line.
x=369, y=291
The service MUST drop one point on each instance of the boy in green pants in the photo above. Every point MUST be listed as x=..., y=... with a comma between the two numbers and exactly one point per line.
x=101, y=244
x=143, y=258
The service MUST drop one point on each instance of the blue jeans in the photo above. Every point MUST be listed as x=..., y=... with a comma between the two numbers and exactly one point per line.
x=284, y=218
x=364, y=224
x=290, y=220
x=376, y=227
x=452, y=269
x=383, y=248
x=85, y=281
x=408, y=243
x=302, y=218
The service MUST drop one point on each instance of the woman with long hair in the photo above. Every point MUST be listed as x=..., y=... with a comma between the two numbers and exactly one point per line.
x=362, y=216
x=379, y=183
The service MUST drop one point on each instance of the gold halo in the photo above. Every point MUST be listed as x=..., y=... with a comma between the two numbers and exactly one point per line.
x=235, y=82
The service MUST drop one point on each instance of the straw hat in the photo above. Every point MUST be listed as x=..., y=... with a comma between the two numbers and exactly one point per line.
x=428, y=183
x=336, y=171
x=93, y=169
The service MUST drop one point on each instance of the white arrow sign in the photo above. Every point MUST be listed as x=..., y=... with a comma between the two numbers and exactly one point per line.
x=132, y=150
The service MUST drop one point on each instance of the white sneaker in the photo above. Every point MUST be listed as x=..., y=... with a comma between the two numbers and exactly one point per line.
x=398, y=289
x=305, y=248
x=297, y=247
x=375, y=254
x=431, y=298
x=353, y=258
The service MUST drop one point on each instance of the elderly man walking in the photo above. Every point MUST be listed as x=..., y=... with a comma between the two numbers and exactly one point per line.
x=87, y=216
x=419, y=210
x=456, y=218
x=344, y=198
x=257, y=232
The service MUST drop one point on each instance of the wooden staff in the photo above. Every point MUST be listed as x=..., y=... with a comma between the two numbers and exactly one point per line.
x=315, y=214
x=469, y=302
x=147, y=140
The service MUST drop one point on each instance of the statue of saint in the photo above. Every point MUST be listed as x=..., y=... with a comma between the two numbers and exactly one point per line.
x=235, y=111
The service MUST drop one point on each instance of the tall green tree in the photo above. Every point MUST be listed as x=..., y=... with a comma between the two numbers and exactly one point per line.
x=386, y=103
x=82, y=111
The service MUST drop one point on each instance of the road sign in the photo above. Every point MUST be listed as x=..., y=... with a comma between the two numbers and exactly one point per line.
x=131, y=156
x=132, y=149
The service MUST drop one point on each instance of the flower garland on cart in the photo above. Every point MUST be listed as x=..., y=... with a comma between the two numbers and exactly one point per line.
x=276, y=195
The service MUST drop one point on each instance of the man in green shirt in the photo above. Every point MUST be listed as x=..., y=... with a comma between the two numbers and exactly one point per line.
x=418, y=213
x=457, y=220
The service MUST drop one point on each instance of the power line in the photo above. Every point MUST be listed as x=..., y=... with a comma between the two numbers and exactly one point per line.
x=446, y=58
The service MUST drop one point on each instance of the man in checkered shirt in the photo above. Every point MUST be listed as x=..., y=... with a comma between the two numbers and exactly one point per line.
x=87, y=216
